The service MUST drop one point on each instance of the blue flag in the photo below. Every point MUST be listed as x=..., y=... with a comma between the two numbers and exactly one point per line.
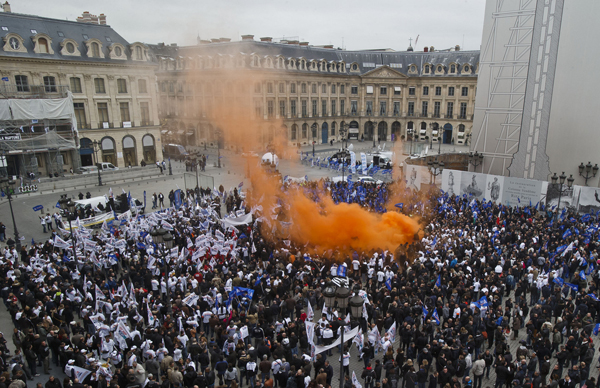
x=582, y=274
x=399, y=205
x=141, y=245
x=596, y=328
x=593, y=297
x=567, y=233
x=425, y=313
x=435, y=316
x=341, y=271
x=438, y=282
x=257, y=282
x=32, y=241
x=572, y=286
x=58, y=205
x=388, y=283
x=559, y=281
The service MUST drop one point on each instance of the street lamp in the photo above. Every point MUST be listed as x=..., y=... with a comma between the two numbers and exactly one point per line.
x=373, y=128
x=6, y=184
x=218, y=133
x=439, y=143
x=561, y=180
x=68, y=208
x=476, y=159
x=435, y=169
x=313, y=129
x=341, y=295
x=96, y=146
x=588, y=169
x=410, y=132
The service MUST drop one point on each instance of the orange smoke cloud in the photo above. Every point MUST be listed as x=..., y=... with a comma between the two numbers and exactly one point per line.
x=347, y=227
x=324, y=225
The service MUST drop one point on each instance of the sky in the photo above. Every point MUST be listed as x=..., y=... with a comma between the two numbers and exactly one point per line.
x=348, y=24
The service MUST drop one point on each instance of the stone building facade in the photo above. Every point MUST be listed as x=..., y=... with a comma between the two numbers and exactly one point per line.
x=112, y=82
x=310, y=92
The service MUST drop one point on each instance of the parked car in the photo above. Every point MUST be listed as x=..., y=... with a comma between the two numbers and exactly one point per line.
x=104, y=166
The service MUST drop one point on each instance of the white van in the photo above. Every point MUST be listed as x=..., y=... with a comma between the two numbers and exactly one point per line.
x=106, y=166
x=88, y=170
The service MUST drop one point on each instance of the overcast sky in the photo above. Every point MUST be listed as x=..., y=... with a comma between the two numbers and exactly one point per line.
x=351, y=24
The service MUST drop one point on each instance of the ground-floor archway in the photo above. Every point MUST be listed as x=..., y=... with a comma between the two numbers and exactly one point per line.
x=447, y=133
x=324, y=133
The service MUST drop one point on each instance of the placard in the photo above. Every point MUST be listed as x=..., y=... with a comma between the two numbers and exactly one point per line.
x=521, y=192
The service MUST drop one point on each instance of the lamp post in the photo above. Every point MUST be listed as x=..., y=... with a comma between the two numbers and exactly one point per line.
x=341, y=295
x=218, y=133
x=373, y=128
x=435, y=169
x=68, y=208
x=439, y=143
x=96, y=146
x=164, y=240
x=313, y=129
x=588, y=169
x=6, y=184
x=476, y=159
x=560, y=180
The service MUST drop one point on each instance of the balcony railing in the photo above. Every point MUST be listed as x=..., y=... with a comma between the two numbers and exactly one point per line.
x=424, y=114
x=33, y=91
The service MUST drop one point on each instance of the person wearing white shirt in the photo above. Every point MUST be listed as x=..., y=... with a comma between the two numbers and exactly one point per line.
x=355, y=265
x=380, y=276
x=370, y=272
x=346, y=361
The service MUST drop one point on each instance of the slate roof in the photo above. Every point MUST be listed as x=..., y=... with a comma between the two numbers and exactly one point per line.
x=22, y=25
x=400, y=60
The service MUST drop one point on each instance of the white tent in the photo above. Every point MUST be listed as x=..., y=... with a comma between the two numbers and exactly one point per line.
x=270, y=158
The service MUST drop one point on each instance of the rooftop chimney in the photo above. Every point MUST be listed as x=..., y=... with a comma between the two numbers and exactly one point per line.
x=432, y=49
x=87, y=17
x=293, y=42
x=426, y=49
x=303, y=43
x=457, y=48
x=6, y=7
x=266, y=39
x=224, y=40
x=247, y=37
x=328, y=46
x=215, y=40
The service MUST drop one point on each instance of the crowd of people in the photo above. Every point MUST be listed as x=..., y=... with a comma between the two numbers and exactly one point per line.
x=483, y=287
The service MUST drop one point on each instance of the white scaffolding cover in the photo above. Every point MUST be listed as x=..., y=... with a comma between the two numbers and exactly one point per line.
x=39, y=109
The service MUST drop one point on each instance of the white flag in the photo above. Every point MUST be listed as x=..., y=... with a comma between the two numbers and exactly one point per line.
x=310, y=313
x=355, y=381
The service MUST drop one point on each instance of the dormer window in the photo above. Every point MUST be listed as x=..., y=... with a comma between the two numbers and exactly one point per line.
x=467, y=69
x=43, y=45
x=138, y=53
x=354, y=67
x=118, y=51
x=439, y=69
x=426, y=71
x=95, y=50
x=452, y=69
x=70, y=48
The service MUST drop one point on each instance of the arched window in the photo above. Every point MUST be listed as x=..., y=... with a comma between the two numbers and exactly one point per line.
x=333, y=125
x=426, y=69
x=304, y=131
x=95, y=50
x=138, y=53
x=294, y=132
x=453, y=69
x=43, y=46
